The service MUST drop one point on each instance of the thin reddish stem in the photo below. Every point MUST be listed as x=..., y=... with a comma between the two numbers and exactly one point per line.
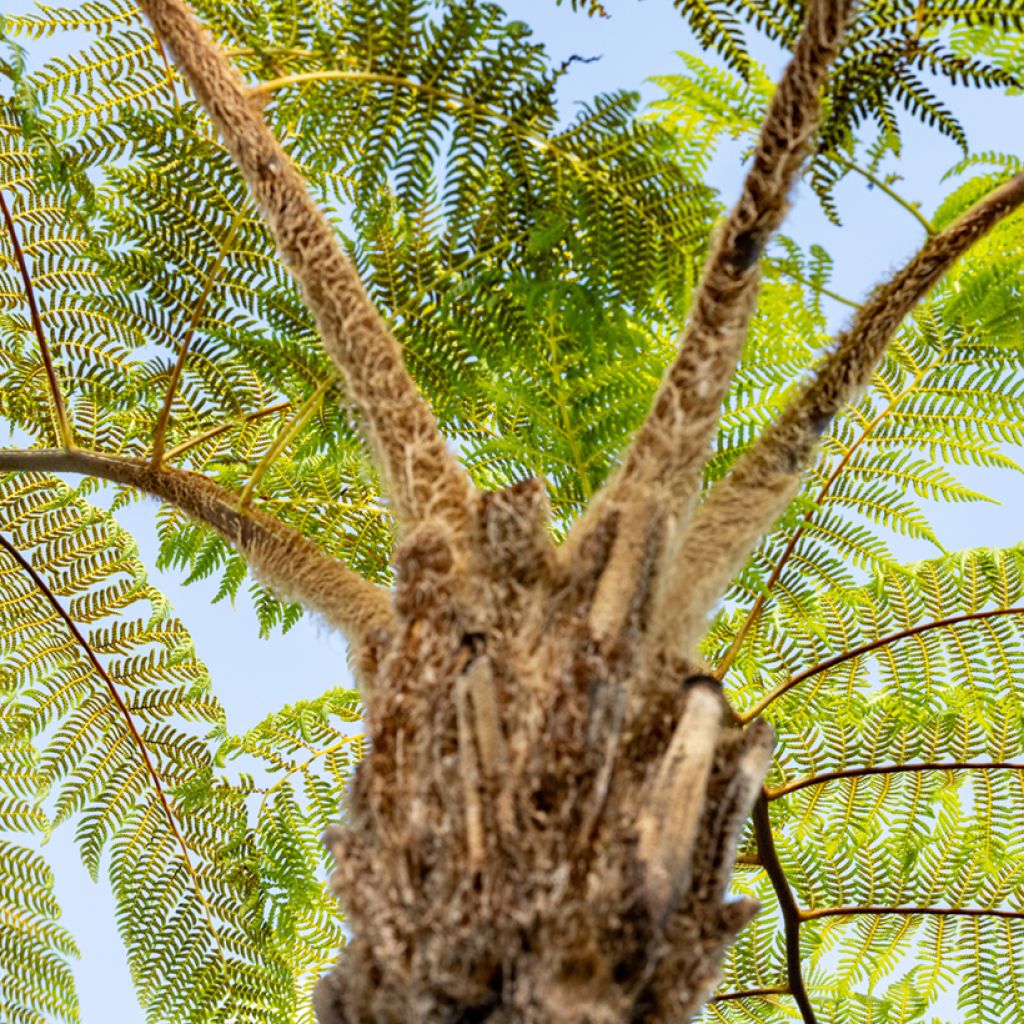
x=791, y=913
x=856, y=652
x=64, y=432
x=892, y=769
x=749, y=993
x=51, y=598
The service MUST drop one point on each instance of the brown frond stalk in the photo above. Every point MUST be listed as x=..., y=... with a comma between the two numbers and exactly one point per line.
x=743, y=506
x=892, y=769
x=60, y=412
x=792, y=916
x=752, y=993
x=872, y=645
x=140, y=744
x=280, y=556
x=672, y=445
x=424, y=476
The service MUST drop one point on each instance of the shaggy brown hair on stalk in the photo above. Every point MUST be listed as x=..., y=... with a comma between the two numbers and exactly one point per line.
x=546, y=823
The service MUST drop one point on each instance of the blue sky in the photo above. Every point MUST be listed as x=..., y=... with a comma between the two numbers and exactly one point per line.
x=252, y=677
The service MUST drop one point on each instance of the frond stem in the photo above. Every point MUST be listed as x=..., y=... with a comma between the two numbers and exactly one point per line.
x=892, y=769
x=745, y=504
x=315, y=756
x=884, y=186
x=865, y=648
x=791, y=913
x=750, y=993
x=221, y=428
x=660, y=473
x=814, y=915
x=819, y=288
x=425, y=477
x=64, y=430
x=168, y=69
x=285, y=438
x=40, y=584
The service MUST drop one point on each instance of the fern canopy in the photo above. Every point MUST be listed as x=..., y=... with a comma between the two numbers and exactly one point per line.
x=536, y=271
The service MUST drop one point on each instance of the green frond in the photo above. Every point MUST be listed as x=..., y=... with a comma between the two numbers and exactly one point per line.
x=36, y=982
x=107, y=718
x=888, y=63
x=436, y=124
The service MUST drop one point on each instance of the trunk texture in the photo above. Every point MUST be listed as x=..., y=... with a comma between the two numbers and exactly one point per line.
x=528, y=840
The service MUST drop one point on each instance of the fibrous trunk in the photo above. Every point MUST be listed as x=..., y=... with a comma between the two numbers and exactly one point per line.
x=545, y=826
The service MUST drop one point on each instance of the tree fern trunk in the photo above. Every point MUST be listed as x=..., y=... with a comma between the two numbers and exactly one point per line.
x=524, y=841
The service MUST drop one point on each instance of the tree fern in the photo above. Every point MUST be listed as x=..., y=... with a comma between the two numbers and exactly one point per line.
x=534, y=273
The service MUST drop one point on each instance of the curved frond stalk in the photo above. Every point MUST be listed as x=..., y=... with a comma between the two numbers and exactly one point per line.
x=284, y=559
x=743, y=507
x=860, y=650
x=62, y=420
x=926, y=734
x=791, y=912
x=660, y=474
x=883, y=186
x=794, y=786
x=425, y=478
x=132, y=728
